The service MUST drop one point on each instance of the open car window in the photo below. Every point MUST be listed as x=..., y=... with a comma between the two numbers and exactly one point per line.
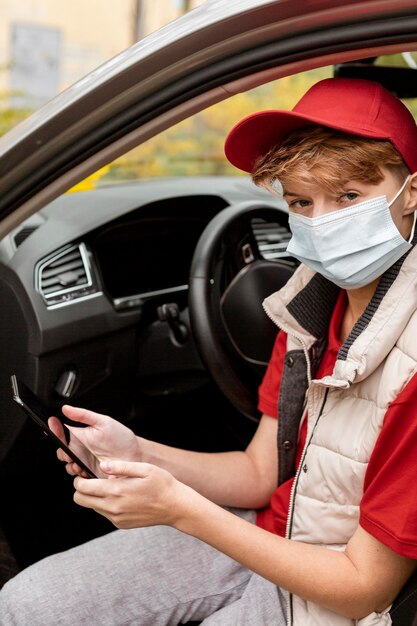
x=194, y=147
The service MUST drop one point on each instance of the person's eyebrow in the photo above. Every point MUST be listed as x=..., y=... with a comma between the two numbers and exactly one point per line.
x=289, y=193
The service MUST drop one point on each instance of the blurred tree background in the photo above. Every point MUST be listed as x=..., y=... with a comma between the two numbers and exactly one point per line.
x=9, y=115
x=47, y=45
x=195, y=146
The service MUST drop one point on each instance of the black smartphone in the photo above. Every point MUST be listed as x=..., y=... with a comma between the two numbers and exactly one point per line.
x=34, y=408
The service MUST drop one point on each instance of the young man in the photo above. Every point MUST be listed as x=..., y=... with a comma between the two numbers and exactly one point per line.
x=333, y=544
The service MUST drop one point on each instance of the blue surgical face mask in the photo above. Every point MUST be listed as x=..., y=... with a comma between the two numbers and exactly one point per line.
x=352, y=246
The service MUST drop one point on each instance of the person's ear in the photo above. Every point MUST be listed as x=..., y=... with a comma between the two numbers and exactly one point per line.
x=411, y=197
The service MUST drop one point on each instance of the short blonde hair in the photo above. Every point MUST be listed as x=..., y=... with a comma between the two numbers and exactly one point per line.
x=328, y=158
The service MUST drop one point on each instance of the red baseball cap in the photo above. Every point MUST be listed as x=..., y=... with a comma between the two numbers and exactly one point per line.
x=354, y=106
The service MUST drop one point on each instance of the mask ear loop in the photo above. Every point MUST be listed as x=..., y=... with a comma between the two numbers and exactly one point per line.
x=399, y=192
x=411, y=237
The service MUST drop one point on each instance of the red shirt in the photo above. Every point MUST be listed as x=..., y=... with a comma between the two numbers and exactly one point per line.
x=388, y=510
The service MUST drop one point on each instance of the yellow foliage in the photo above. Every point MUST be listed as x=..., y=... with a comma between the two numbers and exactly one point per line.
x=195, y=145
x=91, y=181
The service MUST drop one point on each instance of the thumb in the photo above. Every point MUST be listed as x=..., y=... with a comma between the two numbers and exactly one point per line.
x=84, y=416
x=125, y=468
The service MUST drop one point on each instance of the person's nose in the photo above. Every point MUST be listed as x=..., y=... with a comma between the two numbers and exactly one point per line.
x=322, y=207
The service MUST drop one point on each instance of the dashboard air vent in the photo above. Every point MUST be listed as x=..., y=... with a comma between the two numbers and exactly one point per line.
x=272, y=239
x=65, y=275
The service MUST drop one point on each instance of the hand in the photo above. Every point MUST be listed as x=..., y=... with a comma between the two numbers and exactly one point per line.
x=101, y=438
x=140, y=494
x=78, y=448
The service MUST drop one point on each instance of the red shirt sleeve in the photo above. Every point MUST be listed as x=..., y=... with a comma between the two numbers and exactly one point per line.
x=268, y=392
x=388, y=509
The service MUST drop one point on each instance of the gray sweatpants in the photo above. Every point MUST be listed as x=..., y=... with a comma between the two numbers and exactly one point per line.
x=142, y=577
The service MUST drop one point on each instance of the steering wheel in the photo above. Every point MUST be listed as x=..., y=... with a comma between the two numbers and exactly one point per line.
x=228, y=282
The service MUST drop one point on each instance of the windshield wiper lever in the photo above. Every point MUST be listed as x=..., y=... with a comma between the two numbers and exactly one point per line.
x=170, y=313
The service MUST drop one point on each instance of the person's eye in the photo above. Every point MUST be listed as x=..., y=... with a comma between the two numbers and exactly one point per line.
x=350, y=196
x=299, y=205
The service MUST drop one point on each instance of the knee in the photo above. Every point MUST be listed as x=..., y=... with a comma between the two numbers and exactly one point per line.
x=20, y=601
x=7, y=601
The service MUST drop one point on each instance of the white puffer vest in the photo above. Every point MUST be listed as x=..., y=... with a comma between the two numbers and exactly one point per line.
x=345, y=410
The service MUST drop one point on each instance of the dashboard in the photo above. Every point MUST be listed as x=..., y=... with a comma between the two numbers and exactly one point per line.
x=82, y=284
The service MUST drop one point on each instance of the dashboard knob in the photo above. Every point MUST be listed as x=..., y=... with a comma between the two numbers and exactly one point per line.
x=66, y=383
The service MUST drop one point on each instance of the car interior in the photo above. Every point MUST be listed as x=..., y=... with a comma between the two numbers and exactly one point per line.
x=142, y=300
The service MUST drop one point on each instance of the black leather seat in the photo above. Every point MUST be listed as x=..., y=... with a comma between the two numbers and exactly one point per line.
x=404, y=609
